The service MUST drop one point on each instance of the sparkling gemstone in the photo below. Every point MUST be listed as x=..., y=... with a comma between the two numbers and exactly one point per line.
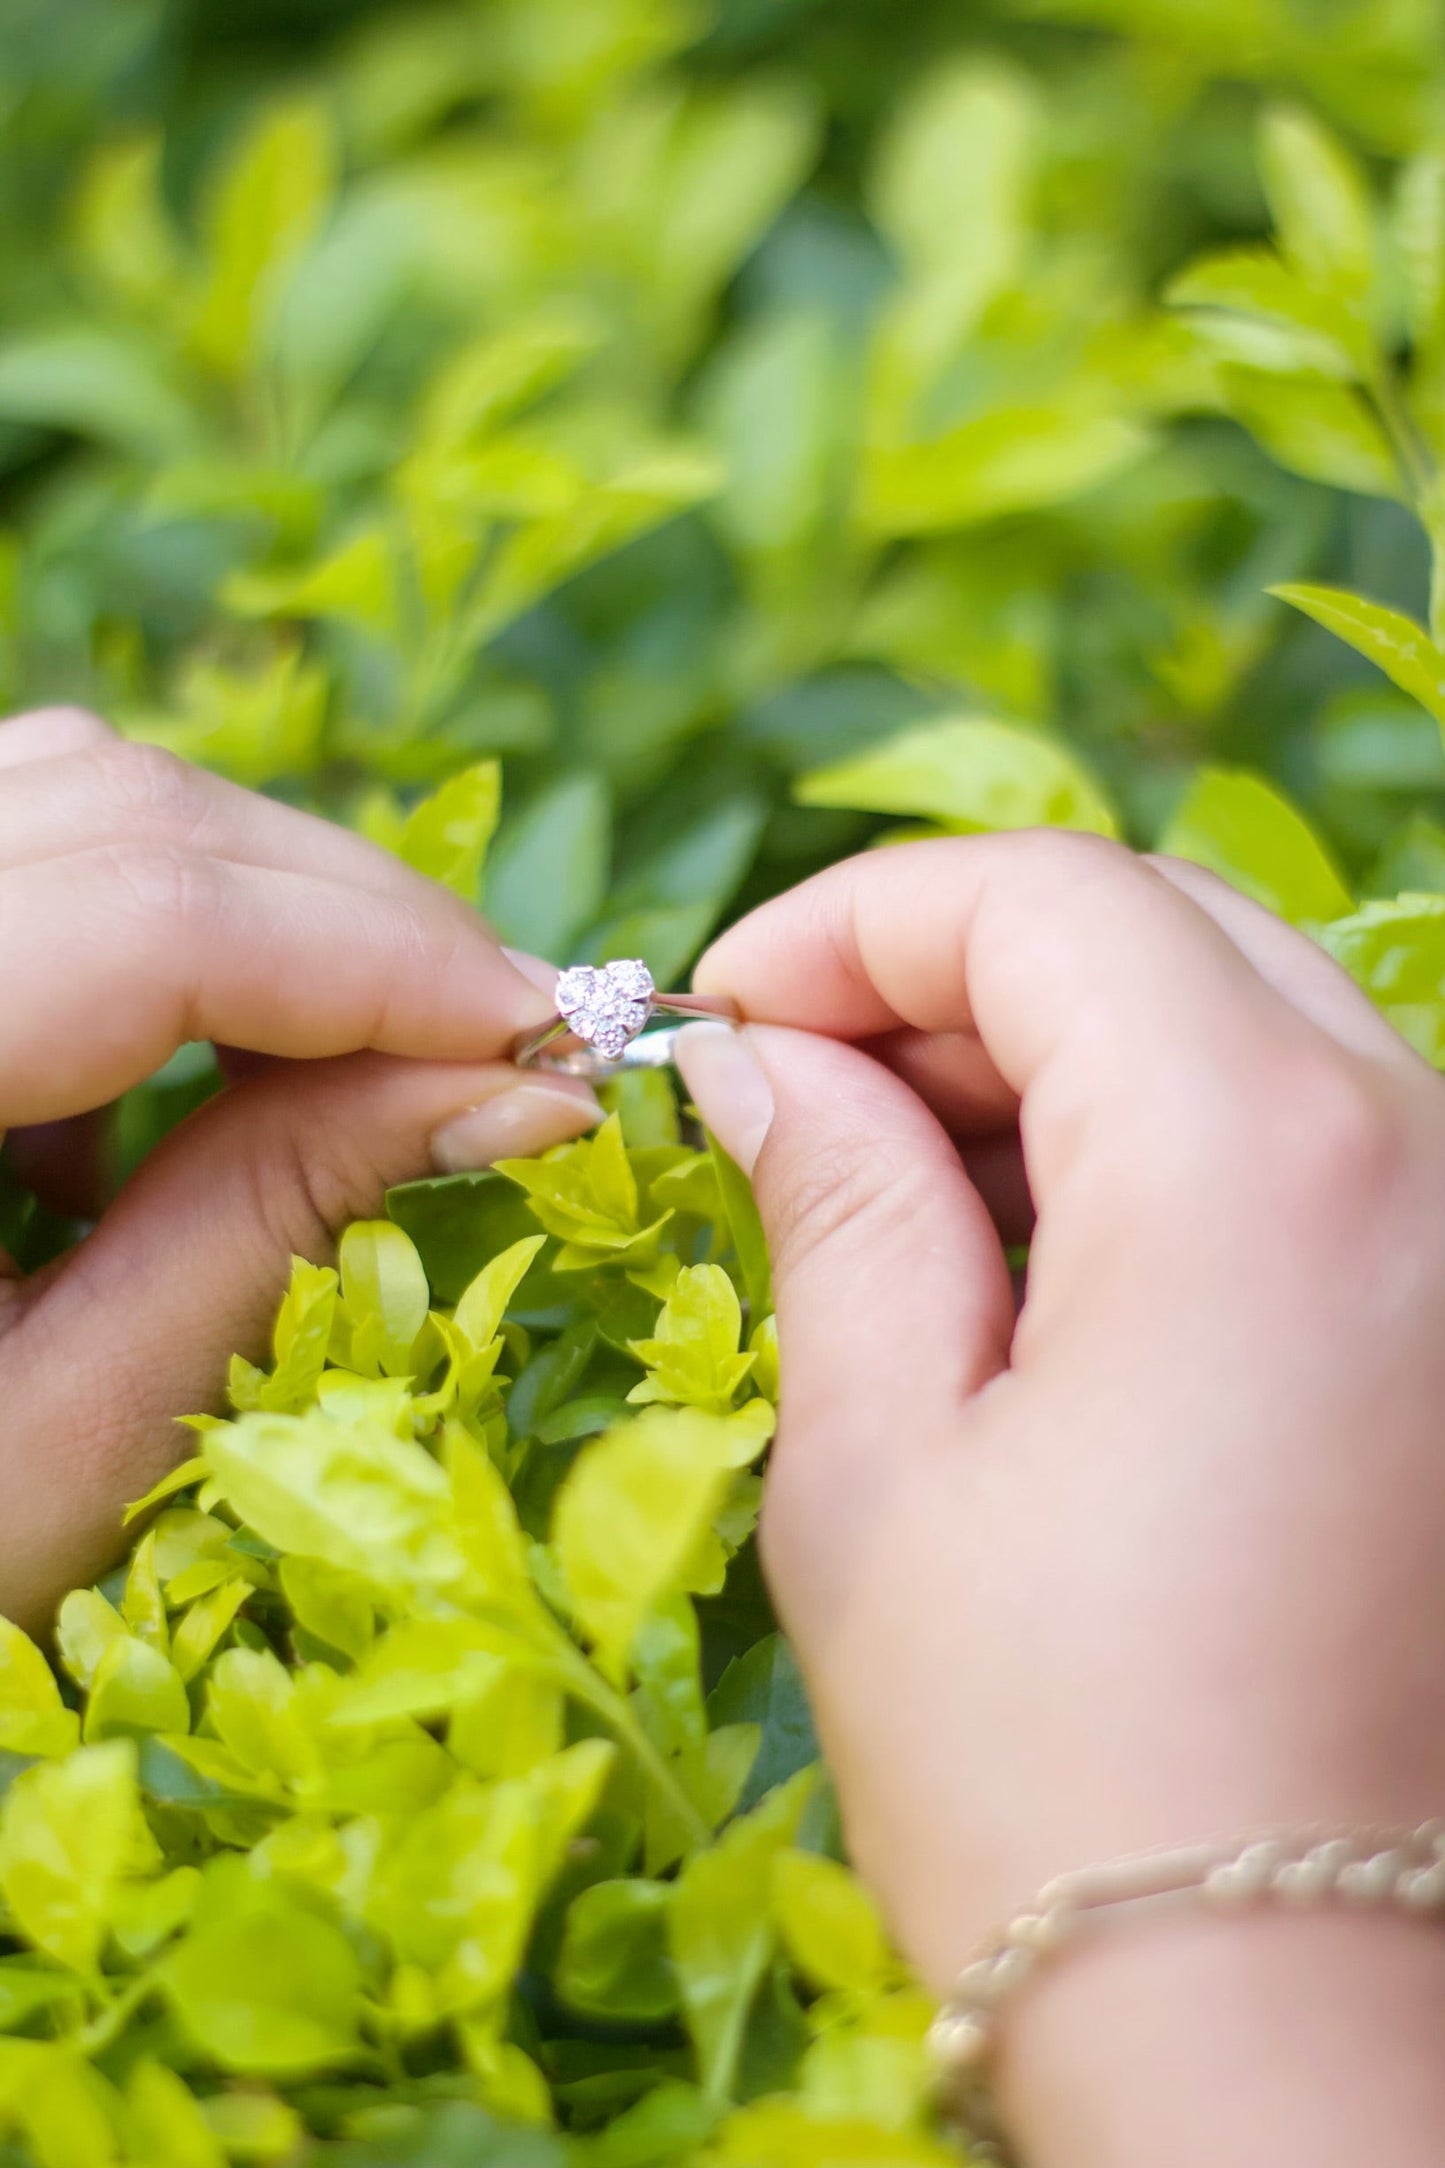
x=606, y=1007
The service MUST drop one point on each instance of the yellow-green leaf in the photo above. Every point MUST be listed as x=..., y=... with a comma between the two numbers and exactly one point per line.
x=630, y=1516
x=968, y=774
x=829, y=1924
x=1243, y=828
x=1320, y=202
x=268, y=202
x=1390, y=640
x=446, y=836
x=33, y=1718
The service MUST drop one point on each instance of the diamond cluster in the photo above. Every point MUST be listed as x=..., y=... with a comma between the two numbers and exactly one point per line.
x=606, y=1008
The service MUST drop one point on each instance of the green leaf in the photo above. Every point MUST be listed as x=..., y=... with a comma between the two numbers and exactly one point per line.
x=693, y=1360
x=486, y=1525
x=66, y=1838
x=483, y=1303
x=1321, y=430
x=268, y=202
x=1242, y=828
x=135, y=1690
x=33, y=1718
x=1393, y=642
x=384, y=1289
x=458, y=1892
x=1309, y=330
x=586, y=1194
x=614, y=1960
x=273, y=1992
x=829, y=1924
x=547, y=875
x=253, y=2126
x=775, y=404
x=355, y=585
x=122, y=230
x=746, y=1228
x=1320, y=203
x=304, y=1326
x=1014, y=459
x=181, y=1477
x=164, y=2121
x=630, y=1516
x=199, y=1632
x=446, y=836
x=553, y=547
x=969, y=774
x=1420, y=243
x=351, y=1494
x=95, y=383
x=957, y=159
x=25, y=1989
x=765, y=1687
x=1396, y=952
x=731, y=162
x=459, y=1223
x=85, y=1628
x=251, y=1705
x=720, y=1930
x=331, y=1605
x=487, y=381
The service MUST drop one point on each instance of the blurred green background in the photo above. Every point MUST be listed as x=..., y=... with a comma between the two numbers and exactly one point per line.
x=755, y=424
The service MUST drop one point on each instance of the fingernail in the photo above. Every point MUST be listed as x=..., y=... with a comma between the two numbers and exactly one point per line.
x=730, y=1086
x=522, y=1118
x=536, y=968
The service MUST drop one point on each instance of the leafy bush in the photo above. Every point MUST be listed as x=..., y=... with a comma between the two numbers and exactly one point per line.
x=754, y=428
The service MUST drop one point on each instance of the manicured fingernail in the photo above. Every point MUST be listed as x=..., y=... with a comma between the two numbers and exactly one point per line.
x=536, y=968
x=730, y=1086
x=520, y=1119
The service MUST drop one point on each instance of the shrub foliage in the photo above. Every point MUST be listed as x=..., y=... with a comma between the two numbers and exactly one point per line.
x=761, y=429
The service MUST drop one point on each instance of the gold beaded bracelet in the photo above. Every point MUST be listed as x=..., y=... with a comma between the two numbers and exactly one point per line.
x=1382, y=1867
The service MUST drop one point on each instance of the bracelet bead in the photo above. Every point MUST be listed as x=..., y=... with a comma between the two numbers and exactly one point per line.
x=1296, y=1869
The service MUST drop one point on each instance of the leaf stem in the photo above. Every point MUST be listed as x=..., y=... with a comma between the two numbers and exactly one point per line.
x=588, y=1687
x=117, y=2013
x=1400, y=428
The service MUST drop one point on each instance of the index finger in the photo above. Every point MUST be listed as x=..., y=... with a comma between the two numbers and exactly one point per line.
x=1032, y=949
x=116, y=956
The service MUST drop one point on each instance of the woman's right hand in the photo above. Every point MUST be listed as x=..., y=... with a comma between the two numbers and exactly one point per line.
x=1166, y=1559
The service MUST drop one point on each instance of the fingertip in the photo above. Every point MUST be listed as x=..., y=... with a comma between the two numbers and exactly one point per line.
x=528, y=1115
x=721, y=1068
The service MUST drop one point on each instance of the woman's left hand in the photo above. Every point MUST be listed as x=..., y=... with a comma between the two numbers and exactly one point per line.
x=144, y=903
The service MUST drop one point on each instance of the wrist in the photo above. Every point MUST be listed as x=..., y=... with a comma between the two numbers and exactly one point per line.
x=1261, y=2039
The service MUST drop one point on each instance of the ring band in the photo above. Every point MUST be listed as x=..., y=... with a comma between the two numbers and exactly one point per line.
x=604, y=1018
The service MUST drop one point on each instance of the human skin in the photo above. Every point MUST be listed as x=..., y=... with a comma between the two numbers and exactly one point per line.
x=1162, y=1557
x=144, y=903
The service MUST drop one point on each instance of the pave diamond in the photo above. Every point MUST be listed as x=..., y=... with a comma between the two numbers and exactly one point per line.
x=606, y=1008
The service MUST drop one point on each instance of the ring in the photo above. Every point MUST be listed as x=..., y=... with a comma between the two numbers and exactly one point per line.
x=602, y=1022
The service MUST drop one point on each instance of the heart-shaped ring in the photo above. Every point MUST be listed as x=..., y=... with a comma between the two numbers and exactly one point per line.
x=604, y=1011
x=606, y=1006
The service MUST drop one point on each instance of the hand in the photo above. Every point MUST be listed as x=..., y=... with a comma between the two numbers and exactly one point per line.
x=144, y=903
x=1166, y=1558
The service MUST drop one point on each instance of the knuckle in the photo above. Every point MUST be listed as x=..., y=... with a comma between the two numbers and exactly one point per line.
x=147, y=786
x=1337, y=1133
x=1310, y=1137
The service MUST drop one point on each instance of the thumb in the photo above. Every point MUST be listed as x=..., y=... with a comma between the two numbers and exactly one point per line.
x=100, y=1354
x=893, y=1293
